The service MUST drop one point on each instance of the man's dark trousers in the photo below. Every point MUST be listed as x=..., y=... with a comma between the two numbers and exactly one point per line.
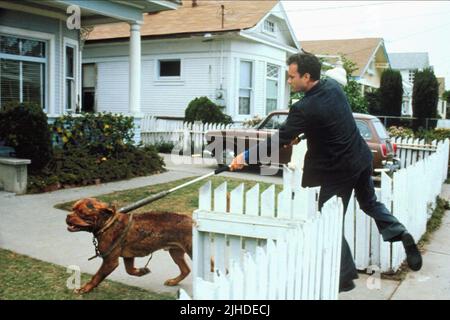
x=389, y=227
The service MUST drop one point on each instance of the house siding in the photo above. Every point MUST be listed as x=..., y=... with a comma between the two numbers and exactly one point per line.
x=201, y=74
x=27, y=21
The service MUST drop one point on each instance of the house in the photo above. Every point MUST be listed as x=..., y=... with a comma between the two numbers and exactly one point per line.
x=233, y=52
x=41, y=47
x=368, y=54
x=408, y=63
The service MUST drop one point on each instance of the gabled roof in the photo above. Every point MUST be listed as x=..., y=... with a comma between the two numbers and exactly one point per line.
x=409, y=60
x=205, y=17
x=359, y=51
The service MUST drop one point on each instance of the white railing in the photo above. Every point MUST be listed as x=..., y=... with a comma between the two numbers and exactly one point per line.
x=252, y=249
x=189, y=136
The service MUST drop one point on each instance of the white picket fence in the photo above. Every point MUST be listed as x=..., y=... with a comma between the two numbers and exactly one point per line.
x=188, y=136
x=410, y=195
x=267, y=246
x=411, y=150
x=259, y=250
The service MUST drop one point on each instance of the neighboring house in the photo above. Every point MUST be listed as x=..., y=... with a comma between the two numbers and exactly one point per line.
x=408, y=63
x=369, y=55
x=233, y=52
x=40, y=47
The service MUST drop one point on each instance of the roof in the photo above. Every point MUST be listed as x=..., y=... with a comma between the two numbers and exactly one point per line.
x=358, y=51
x=205, y=17
x=409, y=60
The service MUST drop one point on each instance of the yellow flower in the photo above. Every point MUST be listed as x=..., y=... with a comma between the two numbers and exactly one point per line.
x=104, y=159
x=106, y=126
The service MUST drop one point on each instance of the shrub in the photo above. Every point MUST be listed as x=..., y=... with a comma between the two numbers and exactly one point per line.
x=164, y=147
x=391, y=93
x=425, y=97
x=24, y=127
x=75, y=165
x=401, y=132
x=102, y=133
x=204, y=110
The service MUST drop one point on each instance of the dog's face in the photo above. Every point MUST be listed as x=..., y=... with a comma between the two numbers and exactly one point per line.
x=88, y=215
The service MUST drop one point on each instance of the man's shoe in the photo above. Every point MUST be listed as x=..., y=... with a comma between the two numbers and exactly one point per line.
x=413, y=256
x=344, y=287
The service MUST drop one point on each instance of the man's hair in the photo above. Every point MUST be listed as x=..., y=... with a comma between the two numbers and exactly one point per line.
x=306, y=63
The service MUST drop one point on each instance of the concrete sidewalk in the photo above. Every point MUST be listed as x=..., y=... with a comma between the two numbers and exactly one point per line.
x=31, y=225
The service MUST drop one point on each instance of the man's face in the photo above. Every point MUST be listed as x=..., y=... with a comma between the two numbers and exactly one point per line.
x=298, y=83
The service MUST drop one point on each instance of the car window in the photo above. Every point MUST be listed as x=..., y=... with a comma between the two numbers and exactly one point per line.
x=364, y=129
x=380, y=129
x=275, y=121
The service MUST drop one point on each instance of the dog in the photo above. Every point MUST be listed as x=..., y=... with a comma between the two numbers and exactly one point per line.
x=129, y=236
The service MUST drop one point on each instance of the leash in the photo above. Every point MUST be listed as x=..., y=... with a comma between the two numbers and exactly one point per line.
x=115, y=244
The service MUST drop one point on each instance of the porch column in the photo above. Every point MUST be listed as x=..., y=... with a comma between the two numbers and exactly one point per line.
x=135, y=78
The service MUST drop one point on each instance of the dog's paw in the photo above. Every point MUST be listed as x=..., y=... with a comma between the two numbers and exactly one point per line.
x=144, y=271
x=171, y=282
x=84, y=289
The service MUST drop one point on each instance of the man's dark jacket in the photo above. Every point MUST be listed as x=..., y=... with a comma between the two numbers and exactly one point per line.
x=336, y=150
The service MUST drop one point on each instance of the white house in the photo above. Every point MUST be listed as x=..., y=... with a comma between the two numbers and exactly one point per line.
x=368, y=54
x=233, y=52
x=408, y=63
x=41, y=42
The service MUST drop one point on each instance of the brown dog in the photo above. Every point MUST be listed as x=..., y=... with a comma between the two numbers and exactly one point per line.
x=130, y=236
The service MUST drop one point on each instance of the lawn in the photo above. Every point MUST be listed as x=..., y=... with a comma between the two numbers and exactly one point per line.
x=25, y=278
x=183, y=201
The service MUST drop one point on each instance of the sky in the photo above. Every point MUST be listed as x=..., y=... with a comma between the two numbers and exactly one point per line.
x=405, y=26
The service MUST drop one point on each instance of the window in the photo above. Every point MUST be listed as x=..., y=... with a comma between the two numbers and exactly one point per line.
x=169, y=68
x=380, y=129
x=245, y=87
x=23, y=66
x=269, y=26
x=272, y=73
x=275, y=121
x=70, y=89
x=364, y=130
x=411, y=76
x=88, y=83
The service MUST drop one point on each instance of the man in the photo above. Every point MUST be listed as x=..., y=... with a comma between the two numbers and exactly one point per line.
x=338, y=159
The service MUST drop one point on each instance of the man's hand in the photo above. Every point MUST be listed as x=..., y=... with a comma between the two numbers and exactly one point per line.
x=238, y=163
x=296, y=140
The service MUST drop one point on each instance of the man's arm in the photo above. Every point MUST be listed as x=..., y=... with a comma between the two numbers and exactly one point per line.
x=294, y=125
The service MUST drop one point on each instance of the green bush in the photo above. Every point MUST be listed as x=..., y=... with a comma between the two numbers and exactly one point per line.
x=94, y=148
x=75, y=166
x=164, y=147
x=24, y=127
x=425, y=98
x=204, y=110
x=102, y=133
x=427, y=135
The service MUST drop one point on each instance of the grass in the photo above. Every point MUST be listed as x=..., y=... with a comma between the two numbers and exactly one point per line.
x=183, y=201
x=25, y=278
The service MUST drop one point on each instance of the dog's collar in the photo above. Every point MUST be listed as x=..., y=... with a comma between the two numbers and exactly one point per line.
x=108, y=224
x=116, y=243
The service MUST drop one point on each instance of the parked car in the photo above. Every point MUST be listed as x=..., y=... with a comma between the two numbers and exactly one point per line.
x=235, y=140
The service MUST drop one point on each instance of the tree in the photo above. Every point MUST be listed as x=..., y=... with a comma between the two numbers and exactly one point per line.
x=353, y=90
x=425, y=97
x=391, y=93
x=373, y=102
